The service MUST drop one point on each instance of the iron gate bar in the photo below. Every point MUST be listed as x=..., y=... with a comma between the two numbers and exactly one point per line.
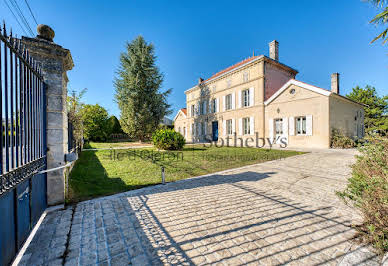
x=11, y=101
x=16, y=108
x=6, y=104
x=1, y=110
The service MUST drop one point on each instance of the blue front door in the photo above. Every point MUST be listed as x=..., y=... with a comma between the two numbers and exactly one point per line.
x=215, y=130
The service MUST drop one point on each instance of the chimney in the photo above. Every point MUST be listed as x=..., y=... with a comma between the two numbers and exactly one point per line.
x=200, y=80
x=335, y=83
x=274, y=50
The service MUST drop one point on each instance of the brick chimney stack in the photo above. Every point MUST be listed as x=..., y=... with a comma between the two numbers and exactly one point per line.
x=335, y=83
x=274, y=50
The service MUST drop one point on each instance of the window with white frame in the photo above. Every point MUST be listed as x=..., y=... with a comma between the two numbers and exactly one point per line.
x=300, y=125
x=213, y=105
x=279, y=126
x=245, y=98
x=203, y=107
x=228, y=102
x=246, y=126
x=192, y=110
x=245, y=76
x=228, y=83
x=229, y=127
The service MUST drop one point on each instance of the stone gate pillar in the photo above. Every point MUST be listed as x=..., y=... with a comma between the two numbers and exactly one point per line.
x=55, y=62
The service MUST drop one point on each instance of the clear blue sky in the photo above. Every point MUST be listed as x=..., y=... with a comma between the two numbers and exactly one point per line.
x=199, y=38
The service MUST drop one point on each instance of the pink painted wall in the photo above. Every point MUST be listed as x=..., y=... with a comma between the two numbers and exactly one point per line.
x=275, y=78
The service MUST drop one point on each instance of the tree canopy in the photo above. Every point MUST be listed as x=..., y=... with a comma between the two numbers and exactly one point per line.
x=381, y=18
x=95, y=122
x=138, y=90
x=376, y=108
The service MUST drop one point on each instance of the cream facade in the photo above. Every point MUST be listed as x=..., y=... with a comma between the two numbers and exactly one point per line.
x=259, y=101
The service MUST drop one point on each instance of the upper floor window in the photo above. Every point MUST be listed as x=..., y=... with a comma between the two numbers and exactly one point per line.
x=203, y=107
x=192, y=111
x=246, y=76
x=301, y=125
x=213, y=106
x=228, y=83
x=245, y=98
x=229, y=127
x=228, y=102
x=246, y=126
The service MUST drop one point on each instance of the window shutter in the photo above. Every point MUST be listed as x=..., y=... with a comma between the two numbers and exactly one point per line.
x=239, y=99
x=309, y=125
x=233, y=126
x=251, y=96
x=217, y=104
x=285, y=126
x=224, y=103
x=233, y=100
x=224, y=128
x=291, y=126
x=199, y=129
x=194, y=129
x=240, y=132
x=270, y=128
x=252, y=125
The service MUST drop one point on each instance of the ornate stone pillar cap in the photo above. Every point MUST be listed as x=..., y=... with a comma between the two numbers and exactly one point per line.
x=45, y=32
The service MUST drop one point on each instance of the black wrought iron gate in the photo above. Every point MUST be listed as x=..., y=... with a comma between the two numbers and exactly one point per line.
x=22, y=145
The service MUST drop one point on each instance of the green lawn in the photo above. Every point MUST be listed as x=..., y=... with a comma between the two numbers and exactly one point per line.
x=105, y=172
x=104, y=145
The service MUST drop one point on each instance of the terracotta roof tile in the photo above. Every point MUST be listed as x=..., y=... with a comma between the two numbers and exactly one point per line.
x=184, y=110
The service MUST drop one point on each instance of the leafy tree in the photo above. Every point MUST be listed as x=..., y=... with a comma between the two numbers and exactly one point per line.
x=138, y=90
x=376, y=110
x=381, y=18
x=74, y=108
x=114, y=125
x=95, y=119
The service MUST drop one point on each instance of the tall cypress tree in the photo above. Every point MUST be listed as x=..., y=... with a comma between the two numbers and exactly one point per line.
x=138, y=90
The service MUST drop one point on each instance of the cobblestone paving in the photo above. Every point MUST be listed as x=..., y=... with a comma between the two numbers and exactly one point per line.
x=279, y=212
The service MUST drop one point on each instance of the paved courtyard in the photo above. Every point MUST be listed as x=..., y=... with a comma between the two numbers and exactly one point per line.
x=279, y=212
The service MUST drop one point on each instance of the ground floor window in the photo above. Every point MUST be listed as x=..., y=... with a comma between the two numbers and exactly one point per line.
x=246, y=124
x=229, y=127
x=203, y=129
x=279, y=126
x=192, y=129
x=301, y=125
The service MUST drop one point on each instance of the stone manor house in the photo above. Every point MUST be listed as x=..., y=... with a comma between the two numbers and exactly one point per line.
x=259, y=97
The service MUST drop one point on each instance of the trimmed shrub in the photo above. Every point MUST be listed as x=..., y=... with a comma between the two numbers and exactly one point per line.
x=368, y=191
x=339, y=140
x=168, y=139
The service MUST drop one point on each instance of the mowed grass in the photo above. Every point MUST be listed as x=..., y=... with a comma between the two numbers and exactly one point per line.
x=106, y=172
x=107, y=145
